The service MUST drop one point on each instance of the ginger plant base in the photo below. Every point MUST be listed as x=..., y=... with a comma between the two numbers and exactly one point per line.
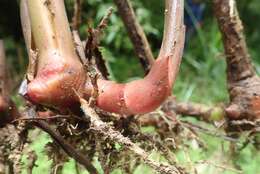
x=59, y=75
x=55, y=84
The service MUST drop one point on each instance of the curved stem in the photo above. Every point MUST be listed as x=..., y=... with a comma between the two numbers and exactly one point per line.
x=145, y=95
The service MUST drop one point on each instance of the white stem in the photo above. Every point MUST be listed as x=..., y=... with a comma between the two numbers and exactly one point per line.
x=173, y=26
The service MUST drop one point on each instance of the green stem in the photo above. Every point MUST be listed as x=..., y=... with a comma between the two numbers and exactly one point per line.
x=50, y=27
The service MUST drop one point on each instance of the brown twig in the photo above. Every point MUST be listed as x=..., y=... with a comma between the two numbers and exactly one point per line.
x=107, y=131
x=244, y=124
x=80, y=48
x=221, y=166
x=32, y=157
x=103, y=23
x=76, y=19
x=92, y=52
x=65, y=146
x=93, y=72
x=45, y=118
x=200, y=111
x=214, y=133
x=136, y=33
x=31, y=113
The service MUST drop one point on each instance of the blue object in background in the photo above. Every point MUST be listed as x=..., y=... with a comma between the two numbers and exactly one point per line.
x=193, y=16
